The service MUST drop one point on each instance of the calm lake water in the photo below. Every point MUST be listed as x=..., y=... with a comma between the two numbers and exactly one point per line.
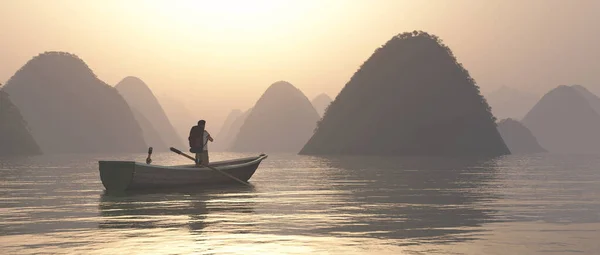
x=321, y=205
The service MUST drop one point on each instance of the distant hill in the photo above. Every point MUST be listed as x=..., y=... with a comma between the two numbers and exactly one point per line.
x=139, y=96
x=69, y=110
x=518, y=138
x=411, y=97
x=282, y=120
x=180, y=116
x=151, y=135
x=509, y=102
x=564, y=121
x=321, y=102
x=225, y=141
x=222, y=137
x=15, y=138
x=590, y=97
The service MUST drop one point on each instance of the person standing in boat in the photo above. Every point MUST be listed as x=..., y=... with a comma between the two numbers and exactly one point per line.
x=199, y=139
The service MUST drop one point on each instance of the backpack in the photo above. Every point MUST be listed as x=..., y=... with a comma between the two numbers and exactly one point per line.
x=196, y=139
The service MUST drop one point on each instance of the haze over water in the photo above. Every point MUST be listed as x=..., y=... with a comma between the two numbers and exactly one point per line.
x=399, y=77
x=537, y=204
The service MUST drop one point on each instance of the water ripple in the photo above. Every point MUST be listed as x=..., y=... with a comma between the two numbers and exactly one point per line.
x=300, y=204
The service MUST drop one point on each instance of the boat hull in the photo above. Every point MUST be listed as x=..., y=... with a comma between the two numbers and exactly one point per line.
x=129, y=175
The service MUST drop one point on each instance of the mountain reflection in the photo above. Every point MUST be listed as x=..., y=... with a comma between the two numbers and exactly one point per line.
x=434, y=199
x=402, y=201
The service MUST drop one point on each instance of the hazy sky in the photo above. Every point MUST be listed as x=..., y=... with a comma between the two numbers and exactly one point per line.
x=219, y=55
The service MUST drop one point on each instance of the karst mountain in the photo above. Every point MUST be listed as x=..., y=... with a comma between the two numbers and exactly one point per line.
x=222, y=139
x=15, y=138
x=321, y=102
x=518, y=138
x=139, y=96
x=282, y=120
x=411, y=97
x=565, y=121
x=69, y=110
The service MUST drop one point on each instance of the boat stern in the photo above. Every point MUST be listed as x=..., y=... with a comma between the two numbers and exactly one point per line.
x=116, y=175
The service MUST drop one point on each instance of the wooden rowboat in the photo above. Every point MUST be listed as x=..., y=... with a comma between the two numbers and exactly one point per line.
x=130, y=175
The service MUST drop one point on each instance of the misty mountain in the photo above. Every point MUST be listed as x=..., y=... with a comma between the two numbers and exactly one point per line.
x=179, y=115
x=590, y=97
x=69, y=110
x=15, y=138
x=321, y=102
x=139, y=96
x=221, y=139
x=509, y=102
x=282, y=120
x=518, y=138
x=564, y=121
x=225, y=142
x=151, y=135
x=411, y=97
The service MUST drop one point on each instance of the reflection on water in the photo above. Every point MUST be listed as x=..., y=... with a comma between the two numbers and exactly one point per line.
x=392, y=198
x=179, y=208
x=301, y=204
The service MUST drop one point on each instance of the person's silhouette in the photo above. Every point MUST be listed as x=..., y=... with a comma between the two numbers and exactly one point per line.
x=198, y=140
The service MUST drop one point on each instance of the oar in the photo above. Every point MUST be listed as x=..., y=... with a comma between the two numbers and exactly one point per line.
x=148, y=159
x=210, y=167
